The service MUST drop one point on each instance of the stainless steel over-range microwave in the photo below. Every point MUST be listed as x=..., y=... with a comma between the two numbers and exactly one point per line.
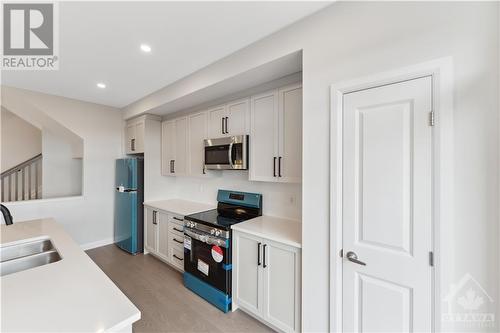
x=229, y=153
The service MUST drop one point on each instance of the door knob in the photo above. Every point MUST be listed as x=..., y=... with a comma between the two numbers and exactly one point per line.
x=351, y=256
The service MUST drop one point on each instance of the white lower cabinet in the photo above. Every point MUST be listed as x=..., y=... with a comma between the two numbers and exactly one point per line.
x=266, y=280
x=164, y=236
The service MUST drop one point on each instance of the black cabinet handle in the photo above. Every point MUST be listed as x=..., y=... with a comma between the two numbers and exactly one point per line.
x=178, y=219
x=258, y=254
x=178, y=241
x=264, y=254
x=178, y=230
x=227, y=131
x=132, y=144
x=222, y=126
x=274, y=166
x=154, y=217
x=176, y=257
x=279, y=166
x=172, y=166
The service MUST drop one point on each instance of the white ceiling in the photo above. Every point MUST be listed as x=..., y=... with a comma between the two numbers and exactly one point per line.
x=99, y=42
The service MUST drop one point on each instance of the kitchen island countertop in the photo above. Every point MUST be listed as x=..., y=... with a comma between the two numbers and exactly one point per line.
x=69, y=295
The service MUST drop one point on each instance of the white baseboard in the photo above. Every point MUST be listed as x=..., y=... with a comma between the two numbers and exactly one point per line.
x=99, y=243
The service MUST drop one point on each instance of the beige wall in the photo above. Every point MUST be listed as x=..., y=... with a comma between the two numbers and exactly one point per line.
x=20, y=140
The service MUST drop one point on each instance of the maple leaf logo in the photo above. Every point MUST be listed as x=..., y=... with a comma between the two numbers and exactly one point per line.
x=470, y=301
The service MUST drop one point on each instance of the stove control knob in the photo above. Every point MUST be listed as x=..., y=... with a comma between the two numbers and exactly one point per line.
x=217, y=232
x=212, y=232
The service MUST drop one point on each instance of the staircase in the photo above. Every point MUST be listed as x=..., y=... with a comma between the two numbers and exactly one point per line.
x=22, y=182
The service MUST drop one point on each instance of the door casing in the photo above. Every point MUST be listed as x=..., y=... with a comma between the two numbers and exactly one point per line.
x=441, y=71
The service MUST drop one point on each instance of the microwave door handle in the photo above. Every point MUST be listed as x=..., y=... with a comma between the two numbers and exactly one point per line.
x=230, y=155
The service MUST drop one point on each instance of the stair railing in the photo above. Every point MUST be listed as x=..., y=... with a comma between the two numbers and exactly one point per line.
x=22, y=182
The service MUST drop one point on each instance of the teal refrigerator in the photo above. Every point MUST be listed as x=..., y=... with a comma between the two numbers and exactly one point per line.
x=129, y=197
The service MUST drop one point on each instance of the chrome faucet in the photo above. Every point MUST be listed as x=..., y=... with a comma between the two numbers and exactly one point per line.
x=6, y=214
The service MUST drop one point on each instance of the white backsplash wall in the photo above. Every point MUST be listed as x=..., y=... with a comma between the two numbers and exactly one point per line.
x=278, y=199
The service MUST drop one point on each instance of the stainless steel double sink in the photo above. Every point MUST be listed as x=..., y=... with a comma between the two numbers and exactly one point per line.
x=25, y=255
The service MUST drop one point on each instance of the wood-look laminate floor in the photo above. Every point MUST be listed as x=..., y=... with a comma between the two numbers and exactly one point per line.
x=165, y=304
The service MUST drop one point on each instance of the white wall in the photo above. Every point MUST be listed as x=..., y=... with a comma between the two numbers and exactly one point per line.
x=355, y=39
x=61, y=172
x=20, y=140
x=87, y=218
x=283, y=200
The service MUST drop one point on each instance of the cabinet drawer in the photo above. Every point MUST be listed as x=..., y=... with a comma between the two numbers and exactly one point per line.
x=177, y=257
x=176, y=241
x=179, y=220
x=176, y=229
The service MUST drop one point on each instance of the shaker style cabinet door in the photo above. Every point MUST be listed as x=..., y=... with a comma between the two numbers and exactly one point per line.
x=282, y=286
x=162, y=227
x=247, y=282
x=216, y=122
x=181, y=141
x=290, y=134
x=236, y=122
x=197, y=133
x=151, y=230
x=264, y=137
x=130, y=138
x=139, y=137
x=168, y=136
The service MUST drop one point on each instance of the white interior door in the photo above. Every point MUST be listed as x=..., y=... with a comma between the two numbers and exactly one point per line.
x=387, y=208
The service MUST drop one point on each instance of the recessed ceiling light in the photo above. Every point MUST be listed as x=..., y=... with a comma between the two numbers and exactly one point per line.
x=101, y=85
x=145, y=48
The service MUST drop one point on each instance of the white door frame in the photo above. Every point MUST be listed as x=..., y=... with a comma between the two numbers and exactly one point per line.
x=441, y=71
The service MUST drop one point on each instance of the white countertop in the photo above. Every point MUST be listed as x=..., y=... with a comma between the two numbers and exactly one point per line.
x=70, y=295
x=179, y=206
x=281, y=230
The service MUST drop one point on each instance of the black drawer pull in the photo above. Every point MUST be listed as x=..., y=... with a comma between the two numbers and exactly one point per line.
x=178, y=219
x=178, y=241
x=258, y=254
x=264, y=255
x=176, y=257
x=178, y=230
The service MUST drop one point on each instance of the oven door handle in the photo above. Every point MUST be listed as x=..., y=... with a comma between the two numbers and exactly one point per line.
x=207, y=239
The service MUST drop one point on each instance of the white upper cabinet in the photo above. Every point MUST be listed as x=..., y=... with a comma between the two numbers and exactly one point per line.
x=290, y=130
x=276, y=135
x=228, y=119
x=198, y=130
x=168, y=147
x=174, y=145
x=134, y=136
x=135, y=133
x=181, y=141
x=237, y=118
x=264, y=137
x=216, y=122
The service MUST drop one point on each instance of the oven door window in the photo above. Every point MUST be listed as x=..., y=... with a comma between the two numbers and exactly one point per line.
x=217, y=155
x=209, y=264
